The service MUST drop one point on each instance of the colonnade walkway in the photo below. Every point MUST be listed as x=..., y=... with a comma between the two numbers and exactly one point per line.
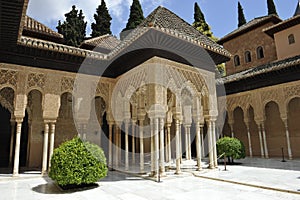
x=252, y=178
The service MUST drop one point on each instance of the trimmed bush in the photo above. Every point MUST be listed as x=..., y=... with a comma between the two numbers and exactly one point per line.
x=77, y=163
x=232, y=147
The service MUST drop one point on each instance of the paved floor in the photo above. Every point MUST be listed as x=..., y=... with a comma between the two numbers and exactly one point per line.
x=184, y=187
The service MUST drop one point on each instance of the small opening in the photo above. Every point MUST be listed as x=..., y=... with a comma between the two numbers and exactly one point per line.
x=260, y=52
x=237, y=60
x=247, y=56
x=291, y=39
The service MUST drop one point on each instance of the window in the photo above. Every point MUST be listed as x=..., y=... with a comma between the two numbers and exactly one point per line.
x=291, y=38
x=247, y=56
x=237, y=60
x=260, y=52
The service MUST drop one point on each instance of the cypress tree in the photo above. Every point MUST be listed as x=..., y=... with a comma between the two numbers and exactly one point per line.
x=136, y=15
x=241, y=16
x=102, y=19
x=271, y=8
x=200, y=23
x=73, y=28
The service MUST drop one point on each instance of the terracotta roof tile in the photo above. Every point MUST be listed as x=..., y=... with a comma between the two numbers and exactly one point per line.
x=105, y=41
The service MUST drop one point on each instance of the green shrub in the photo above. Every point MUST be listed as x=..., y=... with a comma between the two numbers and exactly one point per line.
x=232, y=147
x=77, y=163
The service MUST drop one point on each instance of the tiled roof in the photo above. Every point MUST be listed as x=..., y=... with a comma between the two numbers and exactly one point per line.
x=163, y=18
x=105, y=41
x=248, y=26
x=277, y=65
x=283, y=25
x=35, y=26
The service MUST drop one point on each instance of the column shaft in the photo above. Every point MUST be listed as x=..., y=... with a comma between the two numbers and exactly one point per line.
x=162, y=153
x=156, y=144
x=141, y=146
x=133, y=142
x=287, y=134
x=126, y=146
x=110, y=142
x=169, y=144
x=45, y=149
x=177, y=148
x=12, y=134
x=17, y=149
x=52, y=139
x=198, y=146
x=265, y=140
x=249, y=140
x=210, y=144
x=214, y=142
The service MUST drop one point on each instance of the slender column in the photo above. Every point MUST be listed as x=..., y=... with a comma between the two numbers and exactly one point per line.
x=110, y=142
x=169, y=142
x=45, y=149
x=249, y=139
x=189, y=143
x=12, y=134
x=210, y=144
x=84, y=132
x=166, y=145
x=119, y=145
x=133, y=141
x=260, y=141
x=202, y=140
x=265, y=140
x=116, y=138
x=51, y=146
x=156, y=144
x=162, y=153
x=231, y=128
x=126, y=145
x=198, y=147
x=287, y=134
x=186, y=143
x=152, y=148
x=141, y=146
x=178, y=170
x=17, y=148
x=180, y=142
x=214, y=142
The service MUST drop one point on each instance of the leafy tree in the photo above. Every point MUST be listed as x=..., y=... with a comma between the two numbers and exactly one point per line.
x=102, y=19
x=231, y=147
x=136, y=15
x=73, y=28
x=200, y=23
x=76, y=163
x=271, y=8
x=242, y=19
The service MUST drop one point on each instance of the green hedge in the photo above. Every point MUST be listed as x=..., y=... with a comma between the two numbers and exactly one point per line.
x=77, y=163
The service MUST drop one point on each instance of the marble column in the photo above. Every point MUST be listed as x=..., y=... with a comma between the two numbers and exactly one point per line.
x=210, y=144
x=214, y=142
x=231, y=128
x=17, y=147
x=287, y=134
x=249, y=138
x=156, y=144
x=126, y=145
x=178, y=170
x=162, y=146
x=202, y=139
x=260, y=141
x=110, y=142
x=152, y=148
x=12, y=134
x=169, y=142
x=52, y=139
x=141, y=130
x=265, y=139
x=198, y=146
x=45, y=149
x=133, y=141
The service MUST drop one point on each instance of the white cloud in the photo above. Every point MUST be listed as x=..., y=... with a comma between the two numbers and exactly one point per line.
x=50, y=11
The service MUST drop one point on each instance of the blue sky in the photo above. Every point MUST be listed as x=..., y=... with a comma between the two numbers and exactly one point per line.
x=220, y=14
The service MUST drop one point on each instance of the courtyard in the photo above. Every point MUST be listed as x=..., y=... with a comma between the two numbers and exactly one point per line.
x=252, y=178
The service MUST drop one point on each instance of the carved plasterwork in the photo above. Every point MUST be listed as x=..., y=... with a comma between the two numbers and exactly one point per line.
x=8, y=77
x=67, y=84
x=36, y=80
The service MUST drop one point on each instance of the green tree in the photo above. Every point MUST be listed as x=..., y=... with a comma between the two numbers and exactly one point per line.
x=200, y=23
x=102, y=19
x=271, y=8
x=241, y=16
x=231, y=147
x=136, y=15
x=73, y=28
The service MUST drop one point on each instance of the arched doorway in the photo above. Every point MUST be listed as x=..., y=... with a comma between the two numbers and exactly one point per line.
x=5, y=136
x=240, y=128
x=294, y=126
x=275, y=131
